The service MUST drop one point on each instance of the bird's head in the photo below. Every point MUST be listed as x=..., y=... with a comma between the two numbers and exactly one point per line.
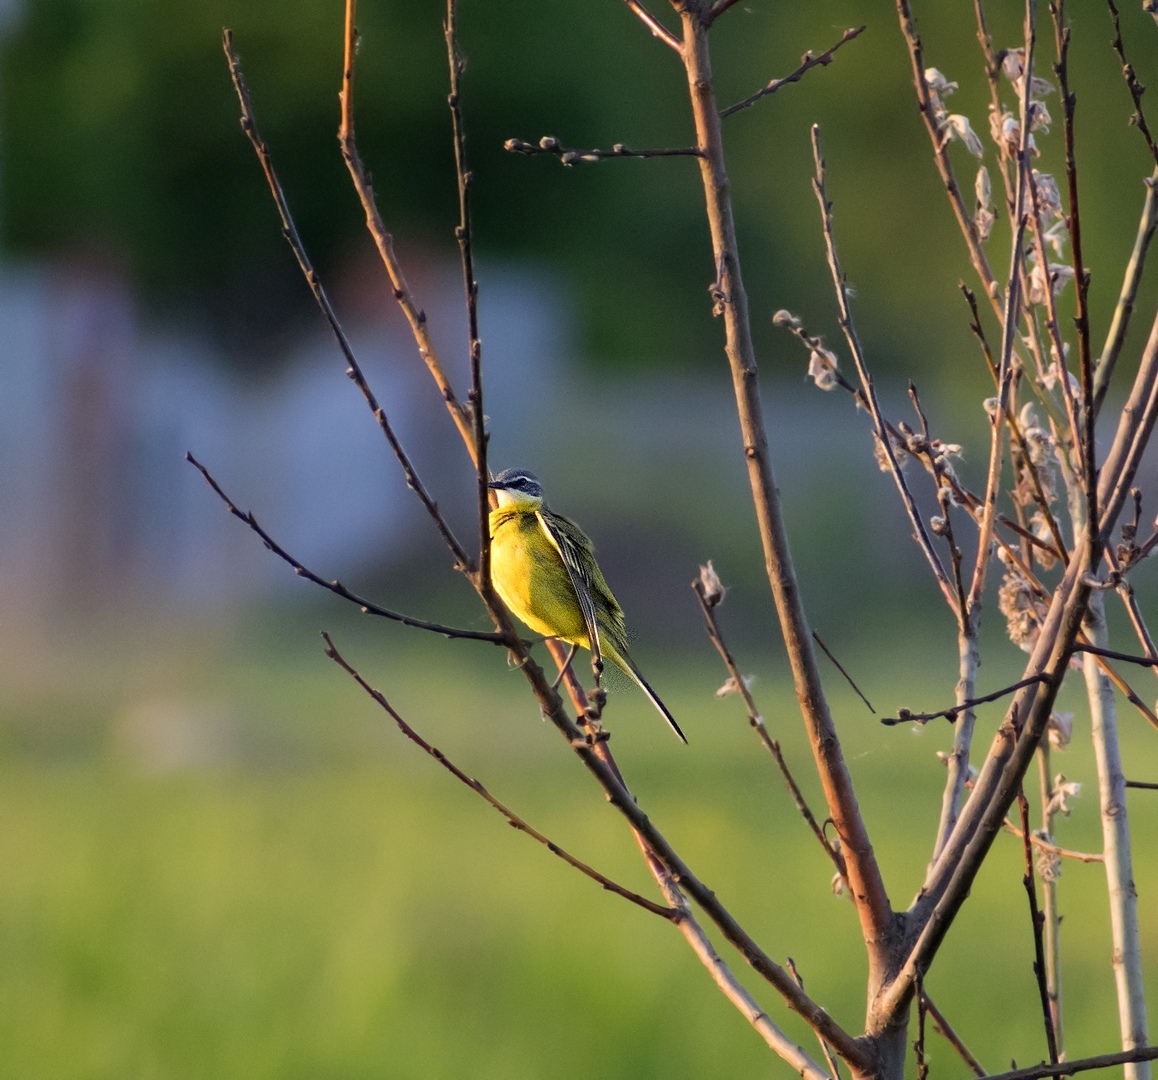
x=517, y=487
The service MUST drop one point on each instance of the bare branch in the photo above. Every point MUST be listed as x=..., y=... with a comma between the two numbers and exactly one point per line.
x=845, y=322
x=946, y=1031
x=653, y=24
x=354, y=370
x=384, y=241
x=807, y=62
x=878, y=924
x=1053, y=849
x=1131, y=280
x=1050, y=882
x=551, y=146
x=941, y=156
x=1081, y=278
x=1111, y=654
x=833, y=1067
x=1037, y=919
x=1132, y=84
x=1070, y=1068
x=699, y=941
x=709, y=601
x=477, y=787
x=457, y=65
x=904, y=716
x=336, y=587
x=839, y=667
x=719, y=7
x=1126, y=956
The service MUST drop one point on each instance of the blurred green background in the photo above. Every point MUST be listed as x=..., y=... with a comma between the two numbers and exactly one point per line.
x=217, y=858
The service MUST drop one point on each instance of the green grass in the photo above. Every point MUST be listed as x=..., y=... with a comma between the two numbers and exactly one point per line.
x=318, y=899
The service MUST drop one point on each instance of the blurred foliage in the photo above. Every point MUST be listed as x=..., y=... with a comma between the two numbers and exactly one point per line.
x=120, y=134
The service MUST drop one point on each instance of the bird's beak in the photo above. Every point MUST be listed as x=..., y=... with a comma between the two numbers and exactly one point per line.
x=497, y=485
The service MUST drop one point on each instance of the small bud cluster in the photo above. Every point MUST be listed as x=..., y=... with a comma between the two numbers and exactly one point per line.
x=823, y=365
x=950, y=125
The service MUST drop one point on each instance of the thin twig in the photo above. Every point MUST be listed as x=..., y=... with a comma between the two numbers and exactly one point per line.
x=837, y=664
x=477, y=787
x=457, y=65
x=708, y=604
x=919, y=1045
x=1131, y=281
x=1136, y=89
x=823, y=1045
x=1125, y=927
x=1051, y=917
x=551, y=146
x=1037, y=919
x=354, y=370
x=993, y=78
x=879, y=927
x=1126, y=594
x=1144, y=785
x=844, y=320
x=336, y=587
x=807, y=62
x=693, y=933
x=904, y=716
x=1069, y=1068
x=1053, y=849
x=654, y=25
x=1111, y=654
x=1081, y=279
x=941, y=156
x=945, y=1030
x=384, y=240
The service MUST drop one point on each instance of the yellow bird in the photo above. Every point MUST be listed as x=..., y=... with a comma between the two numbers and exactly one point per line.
x=543, y=568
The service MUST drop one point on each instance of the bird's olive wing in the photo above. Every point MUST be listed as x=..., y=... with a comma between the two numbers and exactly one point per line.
x=577, y=558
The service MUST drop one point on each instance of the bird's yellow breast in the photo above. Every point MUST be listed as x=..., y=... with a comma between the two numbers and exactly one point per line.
x=530, y=578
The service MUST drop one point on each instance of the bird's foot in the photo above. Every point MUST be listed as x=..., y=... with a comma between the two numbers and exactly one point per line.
x=596, y=699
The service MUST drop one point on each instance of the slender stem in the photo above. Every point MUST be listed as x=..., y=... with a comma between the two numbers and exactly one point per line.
x=1036, y=919
x=384, y=240
x=1069, y=1068
x=1127, y=952
x=756, y=720
x=1052, y=849
x=845, y=322
x=549, y=145
x=1131, y=280
x=832, y=1065
x=941, y=155
x=944, y=1028
x=354, y=370
x=653, y=24
x=1136, y=89
x=1081, y=281
x=904, y=716
x=868, y=891
x=336, y=587
x=957, y=763
x=919, y=1045
x=1050, y=873
x=699, y=941
x=807, y=63
x=457, y=65
x=477, y=787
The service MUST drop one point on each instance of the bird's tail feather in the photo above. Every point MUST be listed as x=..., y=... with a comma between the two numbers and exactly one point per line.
x=628, y=665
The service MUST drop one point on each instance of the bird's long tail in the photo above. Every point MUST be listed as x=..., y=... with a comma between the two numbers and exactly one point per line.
x=628, y=665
